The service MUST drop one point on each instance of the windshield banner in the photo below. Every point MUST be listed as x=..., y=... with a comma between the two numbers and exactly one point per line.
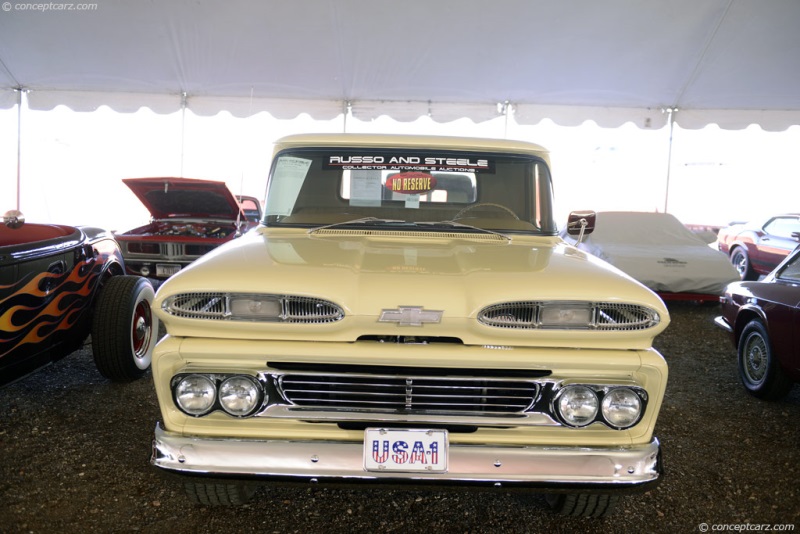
x=390, y=162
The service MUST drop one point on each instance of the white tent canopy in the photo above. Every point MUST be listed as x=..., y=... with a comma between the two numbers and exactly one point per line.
x=728, y=62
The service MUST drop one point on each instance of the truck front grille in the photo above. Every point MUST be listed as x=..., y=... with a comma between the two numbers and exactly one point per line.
x=409, y=394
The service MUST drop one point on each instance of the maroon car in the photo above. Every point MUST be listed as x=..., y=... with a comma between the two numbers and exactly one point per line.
x=764, y=321
x=756, y=248
x=60, y=283
x=190, y=217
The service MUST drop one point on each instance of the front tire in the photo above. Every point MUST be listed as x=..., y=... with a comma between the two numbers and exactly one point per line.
x=124, y=328
x=759, y=368
x=219, y=494
x=583, y=504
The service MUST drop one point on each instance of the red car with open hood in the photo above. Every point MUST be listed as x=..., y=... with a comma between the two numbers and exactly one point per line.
x=190, y=217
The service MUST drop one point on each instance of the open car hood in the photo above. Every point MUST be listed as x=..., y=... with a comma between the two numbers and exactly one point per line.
x=167, y=198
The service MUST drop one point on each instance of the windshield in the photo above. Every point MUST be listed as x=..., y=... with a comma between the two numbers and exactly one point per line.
x=423, y=189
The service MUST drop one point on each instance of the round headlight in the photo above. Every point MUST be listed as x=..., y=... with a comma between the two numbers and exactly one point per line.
x=577, y=405
x=622, y=407
x=195, y=394
x=239, y=395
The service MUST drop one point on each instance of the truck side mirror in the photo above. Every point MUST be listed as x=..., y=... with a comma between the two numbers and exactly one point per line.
x=581, y=223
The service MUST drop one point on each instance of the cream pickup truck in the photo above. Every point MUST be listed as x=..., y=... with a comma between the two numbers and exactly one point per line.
x=406, y=313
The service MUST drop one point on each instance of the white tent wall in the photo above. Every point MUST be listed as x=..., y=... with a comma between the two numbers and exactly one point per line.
x=718, y=176
x=8, y=158
x=238, y=150
x=598, y=168
x=73, y=162
x=68, y=155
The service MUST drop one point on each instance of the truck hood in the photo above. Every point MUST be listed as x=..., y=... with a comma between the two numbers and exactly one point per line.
x=367, y=272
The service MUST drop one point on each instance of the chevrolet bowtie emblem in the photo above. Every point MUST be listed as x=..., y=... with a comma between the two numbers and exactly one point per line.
x=410, y=316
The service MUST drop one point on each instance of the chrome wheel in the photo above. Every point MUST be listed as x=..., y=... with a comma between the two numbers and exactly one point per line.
x=759, y=367
x=756, y=359
x=142, y=332
x=741, y=262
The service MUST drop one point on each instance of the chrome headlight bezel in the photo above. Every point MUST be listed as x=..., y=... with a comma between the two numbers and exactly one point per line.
x=569, y=315
x=253, y=307
x=625, y=396
x=605, y=395
x=259, y=393
x=194, y=394
x=570, y=395
x=244, y=389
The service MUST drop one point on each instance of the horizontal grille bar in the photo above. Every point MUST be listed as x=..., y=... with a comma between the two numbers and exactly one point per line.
x=409, y=394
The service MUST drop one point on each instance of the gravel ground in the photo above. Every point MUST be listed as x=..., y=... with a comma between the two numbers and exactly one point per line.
x=74, y=452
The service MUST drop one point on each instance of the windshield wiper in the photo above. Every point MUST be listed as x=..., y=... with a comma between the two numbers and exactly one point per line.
x=362, y=220
x=454, y=224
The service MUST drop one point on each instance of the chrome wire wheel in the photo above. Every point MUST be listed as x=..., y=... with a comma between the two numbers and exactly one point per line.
x=755, y=358
x=759, y=366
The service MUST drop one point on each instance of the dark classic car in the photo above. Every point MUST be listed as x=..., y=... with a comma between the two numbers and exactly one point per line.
x=763, y=319
x=190, y=217
x=60, y=283
x=757, y=247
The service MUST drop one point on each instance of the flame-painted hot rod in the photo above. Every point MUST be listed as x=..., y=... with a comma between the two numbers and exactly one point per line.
x=58, y=285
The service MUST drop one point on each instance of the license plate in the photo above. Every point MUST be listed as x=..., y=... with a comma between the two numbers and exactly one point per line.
x=167, y=269
x=391, y=449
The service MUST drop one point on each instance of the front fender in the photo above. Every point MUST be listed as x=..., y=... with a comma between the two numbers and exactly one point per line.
x=747, y=313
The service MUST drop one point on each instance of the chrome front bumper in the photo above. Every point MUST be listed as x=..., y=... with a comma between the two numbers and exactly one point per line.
x=722, y=323
x=321, y=461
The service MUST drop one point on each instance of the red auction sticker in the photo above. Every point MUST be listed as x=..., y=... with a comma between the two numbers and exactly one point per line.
x=411, y=183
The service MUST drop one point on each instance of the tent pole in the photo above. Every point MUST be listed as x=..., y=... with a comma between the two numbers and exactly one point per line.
x=506, y=107
x=183, y=127
x=19, y=91
x=347, y=109
x=671, y=120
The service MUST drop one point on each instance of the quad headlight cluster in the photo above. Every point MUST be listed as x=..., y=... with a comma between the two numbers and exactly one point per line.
x=575, y=405
x=201, y=394
x=619, y=407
